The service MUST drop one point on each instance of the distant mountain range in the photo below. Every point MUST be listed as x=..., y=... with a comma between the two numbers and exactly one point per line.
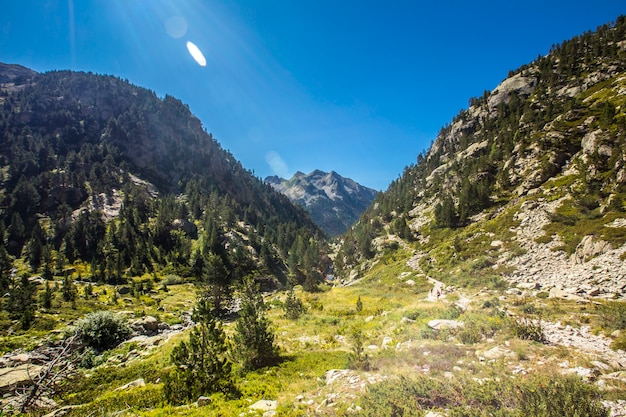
x=335, y=202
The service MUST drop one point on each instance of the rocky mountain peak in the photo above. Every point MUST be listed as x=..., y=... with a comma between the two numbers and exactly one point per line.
x=334, y=202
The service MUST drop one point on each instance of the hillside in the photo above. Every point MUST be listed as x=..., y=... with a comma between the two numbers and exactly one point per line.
x=335, y=202
x=526, y=185
x=100, y=173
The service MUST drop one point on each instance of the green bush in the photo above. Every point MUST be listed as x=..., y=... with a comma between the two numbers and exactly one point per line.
x=528, y=329
x=613, y=315
x=469, y=335
x=102, y=330
x=550, y=396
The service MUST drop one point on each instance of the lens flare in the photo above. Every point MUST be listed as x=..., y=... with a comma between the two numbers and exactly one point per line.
x=176, y=27
x=196, y=53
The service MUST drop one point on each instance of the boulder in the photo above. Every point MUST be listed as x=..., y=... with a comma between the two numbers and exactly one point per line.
x=186, y=226
x=123, y=290
x=528, y=286
x=562, y=294
x=136, y=383
x=590, y=247
x=204, y=401
x=18, y=376
x=147, y=325
x=386, y=342
x=441, y=324
x=265, y=405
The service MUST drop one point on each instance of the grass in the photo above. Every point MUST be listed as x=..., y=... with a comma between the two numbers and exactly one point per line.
x=444, y=363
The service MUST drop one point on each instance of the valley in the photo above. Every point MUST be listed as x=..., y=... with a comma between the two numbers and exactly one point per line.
x=145, y=272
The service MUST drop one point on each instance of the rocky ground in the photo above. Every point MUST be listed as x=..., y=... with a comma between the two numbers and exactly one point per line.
x=595, y=270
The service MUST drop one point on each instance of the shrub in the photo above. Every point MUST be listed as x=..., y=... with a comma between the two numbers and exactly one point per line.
x=528, y=329
x=470, y=334
x=102, y=330
x=613, y=315
x=556, y=396
x=542, y=396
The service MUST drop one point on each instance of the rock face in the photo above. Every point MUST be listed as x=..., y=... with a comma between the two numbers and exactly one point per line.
x=334, y=202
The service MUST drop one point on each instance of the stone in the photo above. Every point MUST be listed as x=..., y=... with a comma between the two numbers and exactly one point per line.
x=136, y=383
x=495, y=353
x=204, y=401
x=21, y=357
x=265, y=405
x=441, y=324
x=386, y=342
x=148, y=324
x=590, y=247
x=63, y=410
x=18, y=376
x=528, y=286
x=123, y=290
x=562, y=294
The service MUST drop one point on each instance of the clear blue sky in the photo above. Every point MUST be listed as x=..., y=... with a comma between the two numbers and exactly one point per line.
x=356, y=86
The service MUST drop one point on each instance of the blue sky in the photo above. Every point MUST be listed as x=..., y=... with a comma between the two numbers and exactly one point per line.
x=360, y=87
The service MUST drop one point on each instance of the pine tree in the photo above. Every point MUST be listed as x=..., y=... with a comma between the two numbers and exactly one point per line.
x=253, y=340
x=293, y=306
x=21, y=302
x=68, y=289
x=46, y=297
x=216, y=282
x=201, y=364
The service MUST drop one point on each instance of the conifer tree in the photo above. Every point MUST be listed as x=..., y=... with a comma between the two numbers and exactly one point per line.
x=293, y=306
x=21, y=302
x=253, y=340
x=46, y=297
x=201, y=364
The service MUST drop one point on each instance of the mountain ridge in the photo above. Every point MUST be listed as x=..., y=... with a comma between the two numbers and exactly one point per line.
x=335, y=202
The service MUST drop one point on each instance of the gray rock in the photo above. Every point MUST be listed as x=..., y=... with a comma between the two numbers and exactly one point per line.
x=136, y=383
x=203, y=401
x=441, y=324
x=123, y=290
x=265, y=405
x=147, y=324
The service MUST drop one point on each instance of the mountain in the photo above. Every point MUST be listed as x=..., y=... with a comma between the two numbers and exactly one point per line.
x=335, y=202
x=526, y=186
x=96, y=171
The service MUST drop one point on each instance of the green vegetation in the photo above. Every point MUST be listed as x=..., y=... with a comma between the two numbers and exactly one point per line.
x=543, y=396
x=102, y=330
x=201, y=365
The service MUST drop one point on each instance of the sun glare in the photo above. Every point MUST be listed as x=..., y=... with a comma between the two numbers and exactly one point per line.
x=176, y=27
x=196, y=53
